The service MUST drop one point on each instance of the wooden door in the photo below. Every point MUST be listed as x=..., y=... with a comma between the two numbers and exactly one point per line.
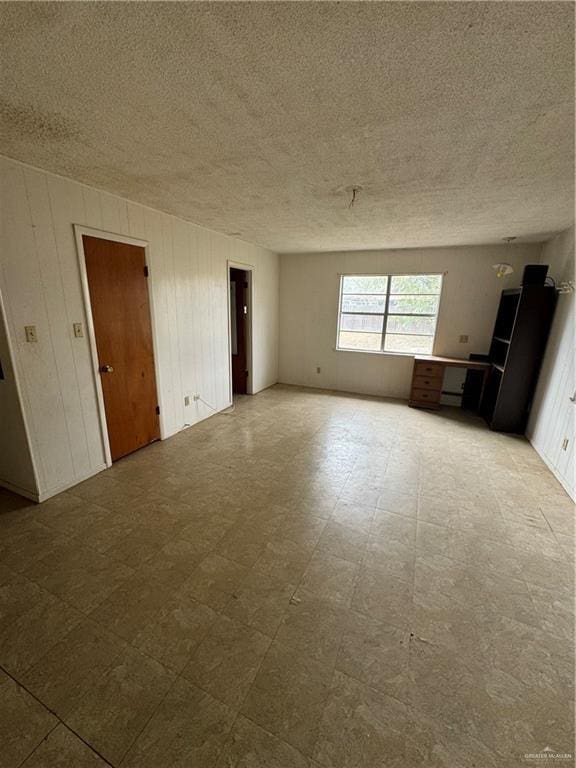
x=238, y=313
x=118, y=284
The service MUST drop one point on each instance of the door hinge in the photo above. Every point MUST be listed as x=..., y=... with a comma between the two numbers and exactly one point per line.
x=146, y=273
x=246, y=374
x=158, y=409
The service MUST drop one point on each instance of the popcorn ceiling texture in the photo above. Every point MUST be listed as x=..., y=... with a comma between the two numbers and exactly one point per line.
x=256, y=118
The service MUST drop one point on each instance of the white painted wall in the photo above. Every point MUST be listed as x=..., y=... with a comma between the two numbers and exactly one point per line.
x=40, y=282
x=309, y=292
x=553, y=416
x=16, y=468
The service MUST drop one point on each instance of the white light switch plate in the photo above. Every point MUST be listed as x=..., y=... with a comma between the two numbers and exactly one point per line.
x=30, y=331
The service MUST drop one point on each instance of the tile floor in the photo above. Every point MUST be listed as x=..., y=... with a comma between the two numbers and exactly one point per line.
x=314, y=581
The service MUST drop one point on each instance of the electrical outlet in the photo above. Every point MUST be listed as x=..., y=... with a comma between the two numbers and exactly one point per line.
x=196, y=398
x=30, y=331
x=463, y=339
x=78, y=330
x=187, y=400
x=318, y=370
x=565, y=444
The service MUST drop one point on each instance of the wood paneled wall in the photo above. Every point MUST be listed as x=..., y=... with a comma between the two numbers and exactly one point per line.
x=40, y=283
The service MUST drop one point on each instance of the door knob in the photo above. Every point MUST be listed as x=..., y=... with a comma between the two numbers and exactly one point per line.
x=106, y=369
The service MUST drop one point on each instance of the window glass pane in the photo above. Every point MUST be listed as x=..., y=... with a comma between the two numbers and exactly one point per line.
x=364, y=284
x=416, y=284
x=372, y=323
x=414, y=305
x=365, y=304
x=403, y=324
x=351, y=340
x=415, y=344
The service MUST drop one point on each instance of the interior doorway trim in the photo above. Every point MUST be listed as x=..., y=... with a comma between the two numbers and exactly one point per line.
x=79, y=231
x=250, y=269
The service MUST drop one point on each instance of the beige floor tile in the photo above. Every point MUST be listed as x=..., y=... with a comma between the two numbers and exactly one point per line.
x=24, y=723
x=260, y=602
x=17, y=596
x=288, y=696
x=227, y=660
x=353, y=515
x=78, y=519
x=390, y=526
x=360, y=727
x=20, y=548
x=343, y=542
x=69, y=670
x=27, y=638
x=554, y=611
x=391, y=557
x=137, y=547
x=189, y=729
x=329, y=578
x=132, y=605
x=111, y=715
x=215, y=580
x=314, y=627
x=304, y=531
x=439, y=510
x=175, y=631
x=80, y=576
x=249, y=746
x=266, y=515
x=432, y=744
x=63, y=749
x=383, y=597
x=376, y=654
x=283, y=558
x=398, y=502
x=243, y=544
x=436, y=574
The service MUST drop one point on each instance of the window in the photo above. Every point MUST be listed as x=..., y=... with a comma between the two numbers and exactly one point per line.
x=389, y=313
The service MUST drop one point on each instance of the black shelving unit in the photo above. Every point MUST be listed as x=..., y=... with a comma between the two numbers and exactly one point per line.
x=518, y=343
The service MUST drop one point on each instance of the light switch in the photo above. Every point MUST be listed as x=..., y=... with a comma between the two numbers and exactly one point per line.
x=30, y=331
x=78, y=330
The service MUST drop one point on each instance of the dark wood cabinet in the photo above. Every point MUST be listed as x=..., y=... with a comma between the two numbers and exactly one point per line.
x=516, y=351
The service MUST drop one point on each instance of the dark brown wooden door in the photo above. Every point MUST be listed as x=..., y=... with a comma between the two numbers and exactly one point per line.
x=118, y=284
x=238, y=310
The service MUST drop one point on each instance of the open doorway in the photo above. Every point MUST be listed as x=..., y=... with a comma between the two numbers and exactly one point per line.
x=240, y=318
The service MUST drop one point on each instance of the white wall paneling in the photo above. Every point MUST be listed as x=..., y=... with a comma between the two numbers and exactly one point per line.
x=553, y=415
x=41, y=285
x=309, y=311
x=17, y=471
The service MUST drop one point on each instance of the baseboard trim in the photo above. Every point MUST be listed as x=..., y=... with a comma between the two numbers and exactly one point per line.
x=32, y=495
x=61, y=487
x=570, y=491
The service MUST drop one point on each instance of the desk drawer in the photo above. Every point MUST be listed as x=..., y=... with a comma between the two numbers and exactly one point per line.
x=426, y=382
x=425, y=396
x=429, y=370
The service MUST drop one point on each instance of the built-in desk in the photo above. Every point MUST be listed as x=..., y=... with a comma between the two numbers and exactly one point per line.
x=428, y=376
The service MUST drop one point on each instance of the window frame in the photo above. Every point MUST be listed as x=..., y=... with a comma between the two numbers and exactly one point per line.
x=386, y=314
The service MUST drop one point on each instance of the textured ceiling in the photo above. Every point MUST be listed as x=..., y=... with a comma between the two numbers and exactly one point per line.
x=456, y=118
